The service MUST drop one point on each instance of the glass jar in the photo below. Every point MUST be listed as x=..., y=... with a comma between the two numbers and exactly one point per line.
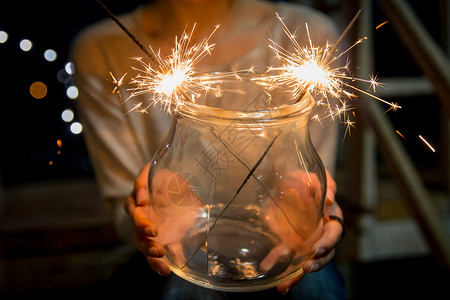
x=237, y=191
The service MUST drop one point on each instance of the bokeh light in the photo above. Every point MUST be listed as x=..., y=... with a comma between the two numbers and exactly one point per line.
x=76, y=127
x=70, y=68
x=3, y=37
x=25, y=45
x=67, y=115
x=50, y=55
x=72, y=92
x=38, y=90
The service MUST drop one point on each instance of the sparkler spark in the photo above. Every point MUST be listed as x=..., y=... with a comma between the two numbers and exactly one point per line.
x=117, y=84
x=427, y=143
x=400, y=134
x=382, y=24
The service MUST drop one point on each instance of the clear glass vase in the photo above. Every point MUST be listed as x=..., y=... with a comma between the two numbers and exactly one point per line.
x=238, y=190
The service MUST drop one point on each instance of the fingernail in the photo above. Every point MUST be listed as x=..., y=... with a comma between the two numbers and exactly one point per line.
x=285, y=292
x=140, y=196
x=313, y=268
x=150, y=231
x=331, y=196
x=319, y=252
x=155, y=252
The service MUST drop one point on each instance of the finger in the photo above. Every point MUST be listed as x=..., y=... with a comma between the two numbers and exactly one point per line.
x=331, y=235
x=159, y=266
x=277, y=254
x=147, y=246
x=288, y=285
x=315, y=264
x=141, y=186
x=331, y=189
x=141, y=221
x=129, y=204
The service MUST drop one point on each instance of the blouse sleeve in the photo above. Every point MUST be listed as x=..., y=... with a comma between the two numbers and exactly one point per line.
x=110, y=139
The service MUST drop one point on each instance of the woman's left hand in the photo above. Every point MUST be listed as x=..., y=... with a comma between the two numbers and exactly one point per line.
x=323, y=249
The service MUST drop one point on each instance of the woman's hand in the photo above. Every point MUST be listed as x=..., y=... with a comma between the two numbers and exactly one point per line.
x=144, y=230
x=323, y=249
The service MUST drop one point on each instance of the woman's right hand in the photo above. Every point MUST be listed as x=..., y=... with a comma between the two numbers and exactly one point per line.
x=144, y=230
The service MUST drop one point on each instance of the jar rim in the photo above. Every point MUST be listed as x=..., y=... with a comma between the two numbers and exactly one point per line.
x=286, y=111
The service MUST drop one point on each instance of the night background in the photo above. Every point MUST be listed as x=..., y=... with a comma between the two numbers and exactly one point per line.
x=40, y=153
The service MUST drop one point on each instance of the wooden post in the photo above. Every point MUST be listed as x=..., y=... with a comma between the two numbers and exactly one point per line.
x=425, y=51
x=415, y=193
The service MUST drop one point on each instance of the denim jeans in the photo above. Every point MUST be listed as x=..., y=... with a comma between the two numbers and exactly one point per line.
x=327, y=284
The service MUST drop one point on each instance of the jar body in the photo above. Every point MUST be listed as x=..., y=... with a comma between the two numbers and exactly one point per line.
x=237, y=193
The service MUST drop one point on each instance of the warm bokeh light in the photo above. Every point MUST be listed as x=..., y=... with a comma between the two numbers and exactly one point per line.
x=25, y=45
x=67, y=115
x=50, y=55
x=3, y=37
x=38, y=90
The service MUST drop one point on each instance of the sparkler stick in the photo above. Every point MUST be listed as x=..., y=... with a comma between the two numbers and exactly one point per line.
x=341, y=38
x=125, y=29
x=308, y=69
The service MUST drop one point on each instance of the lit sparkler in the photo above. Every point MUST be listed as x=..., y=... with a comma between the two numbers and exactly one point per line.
x=171, y=80
x=310, y=69
x=174, y=79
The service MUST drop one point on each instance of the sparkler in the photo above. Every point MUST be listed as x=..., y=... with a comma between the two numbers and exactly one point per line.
x=310, y=69
x=175, y=80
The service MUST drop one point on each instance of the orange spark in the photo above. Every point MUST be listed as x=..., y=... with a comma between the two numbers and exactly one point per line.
x=384, y=23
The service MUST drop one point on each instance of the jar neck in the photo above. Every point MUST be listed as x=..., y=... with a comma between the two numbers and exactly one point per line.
x=267, y=114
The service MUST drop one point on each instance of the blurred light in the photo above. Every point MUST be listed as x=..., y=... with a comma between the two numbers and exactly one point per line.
x=63, y=77
x=76, y=128
x=67, y=115
x=50, y=55
x=70, y=68
x=38, y=90
x=72, y=92
x=25, y=45
x=3, y=36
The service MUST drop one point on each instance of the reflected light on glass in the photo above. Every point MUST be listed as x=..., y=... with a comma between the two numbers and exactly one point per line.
x=50, y=55
x=67, y=115
x=72, y=92
x=38, y=90
x=3, y=37
x=76, y=128
x=25, y=45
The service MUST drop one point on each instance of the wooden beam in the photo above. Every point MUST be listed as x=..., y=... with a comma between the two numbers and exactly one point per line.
x=428, y=55
x=405, y=87
x=419, y=200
